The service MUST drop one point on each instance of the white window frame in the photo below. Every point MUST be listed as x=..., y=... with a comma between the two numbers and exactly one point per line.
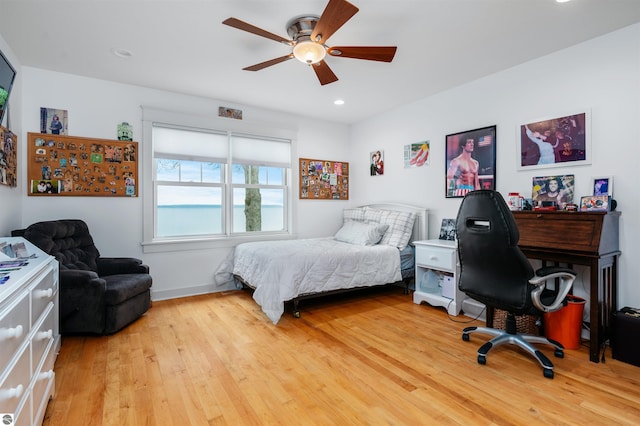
x=153, y=116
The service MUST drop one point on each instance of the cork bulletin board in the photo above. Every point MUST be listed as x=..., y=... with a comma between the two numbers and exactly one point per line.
x=60, y=165
x=324, y=180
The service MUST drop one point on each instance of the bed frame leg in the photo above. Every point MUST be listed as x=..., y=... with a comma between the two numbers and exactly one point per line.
x=296, y=308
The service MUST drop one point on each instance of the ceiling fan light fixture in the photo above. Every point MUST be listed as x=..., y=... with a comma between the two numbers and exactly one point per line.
x=309, y=52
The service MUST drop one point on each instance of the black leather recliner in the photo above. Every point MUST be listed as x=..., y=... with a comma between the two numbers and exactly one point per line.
x=98, y=295
x=494, y=271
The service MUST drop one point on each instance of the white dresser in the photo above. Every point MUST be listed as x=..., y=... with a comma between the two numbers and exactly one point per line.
x=29, y=338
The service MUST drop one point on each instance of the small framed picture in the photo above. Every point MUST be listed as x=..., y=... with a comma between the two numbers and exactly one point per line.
x=448, y=230
x=602, y=185
x=595, y=203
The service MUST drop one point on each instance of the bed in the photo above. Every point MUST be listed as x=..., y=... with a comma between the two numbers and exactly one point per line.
x=372, y=248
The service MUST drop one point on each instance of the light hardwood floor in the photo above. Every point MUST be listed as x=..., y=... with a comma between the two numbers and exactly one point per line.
x=370, y=358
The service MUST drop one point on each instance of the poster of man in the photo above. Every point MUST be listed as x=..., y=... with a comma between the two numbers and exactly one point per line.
x=470, y=161
x=552, y=142
x=558, y=190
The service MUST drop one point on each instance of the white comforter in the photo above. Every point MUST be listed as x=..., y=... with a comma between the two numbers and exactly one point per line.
x=281, y=270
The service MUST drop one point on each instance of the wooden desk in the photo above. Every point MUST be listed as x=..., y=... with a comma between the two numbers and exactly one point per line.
x=580, y=238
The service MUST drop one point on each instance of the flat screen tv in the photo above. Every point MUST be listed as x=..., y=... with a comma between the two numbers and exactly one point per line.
x=7, y=76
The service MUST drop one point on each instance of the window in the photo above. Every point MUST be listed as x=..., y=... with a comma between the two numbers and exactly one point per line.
x=217, y=184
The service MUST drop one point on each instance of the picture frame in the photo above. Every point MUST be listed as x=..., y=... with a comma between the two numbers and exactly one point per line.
x=595, y=203
x=54, y=121
x=448, y=230
x=376, y=164
x=558, y=189
x=602, y=185
x=416, y=154
x=469, y=168
x=556, y=141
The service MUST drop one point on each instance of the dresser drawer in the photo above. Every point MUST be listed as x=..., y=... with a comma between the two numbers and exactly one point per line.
x=42, y=338
x=43, y=388
x=43, y=293
x=14, y=327
x=14, y=387
x=435, y=257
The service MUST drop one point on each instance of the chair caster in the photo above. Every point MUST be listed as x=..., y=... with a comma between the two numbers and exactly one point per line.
x=465, y=337
x=559, y=353
x=548, y=373
x=483, y=360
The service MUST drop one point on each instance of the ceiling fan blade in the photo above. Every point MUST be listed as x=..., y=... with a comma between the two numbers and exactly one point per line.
x=241, y=25
x=370, y=53
x=324, y=73
x=334, y=16
x=265, y=64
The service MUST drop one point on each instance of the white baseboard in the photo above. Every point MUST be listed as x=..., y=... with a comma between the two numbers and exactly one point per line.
x=188, y=291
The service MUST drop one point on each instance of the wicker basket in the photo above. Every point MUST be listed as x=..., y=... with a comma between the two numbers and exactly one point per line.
x=525, y=324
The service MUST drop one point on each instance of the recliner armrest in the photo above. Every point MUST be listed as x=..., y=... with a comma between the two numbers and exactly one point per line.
x=566, y=277
x=121, y=265
x=80, y=278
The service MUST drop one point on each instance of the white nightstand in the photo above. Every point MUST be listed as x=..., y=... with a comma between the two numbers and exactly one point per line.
x=437, y=272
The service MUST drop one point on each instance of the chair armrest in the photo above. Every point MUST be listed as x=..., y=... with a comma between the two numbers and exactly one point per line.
x=566, y=277
x=121, y=265
x=80, y=278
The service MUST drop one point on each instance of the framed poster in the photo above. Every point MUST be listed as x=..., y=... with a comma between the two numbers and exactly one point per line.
x=470, y=161
x=555, y=142
x=323, y=179
x=553, y=191
x=60, y=165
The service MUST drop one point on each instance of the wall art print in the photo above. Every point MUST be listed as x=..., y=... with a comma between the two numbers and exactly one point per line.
x=416, y=154
x=376, y=167
x=323, y=179
x=8, y=158
x=555, y=142
x=54, y=121
x=62, y=165
x=470, y=161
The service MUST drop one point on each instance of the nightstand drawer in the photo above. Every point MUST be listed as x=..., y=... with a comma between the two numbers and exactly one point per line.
x=435, y=257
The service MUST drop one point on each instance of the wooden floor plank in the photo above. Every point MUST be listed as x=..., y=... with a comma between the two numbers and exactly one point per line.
x=367, y=358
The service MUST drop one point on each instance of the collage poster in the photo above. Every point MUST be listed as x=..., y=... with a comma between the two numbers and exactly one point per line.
x=324, y=180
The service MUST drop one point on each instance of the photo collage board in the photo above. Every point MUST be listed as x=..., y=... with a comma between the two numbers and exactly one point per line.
x=324, y=180
x=63, y=165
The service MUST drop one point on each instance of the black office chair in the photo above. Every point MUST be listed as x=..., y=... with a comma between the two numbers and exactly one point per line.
x=495, y=272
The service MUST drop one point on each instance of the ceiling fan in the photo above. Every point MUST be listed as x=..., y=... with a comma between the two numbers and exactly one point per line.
x=309, y=34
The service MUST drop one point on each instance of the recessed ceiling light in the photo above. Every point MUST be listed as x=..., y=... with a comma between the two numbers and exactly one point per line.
x=122, y=53
x=562, y=1
x=338, y=102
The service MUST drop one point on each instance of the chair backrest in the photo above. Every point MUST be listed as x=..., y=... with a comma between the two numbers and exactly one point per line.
x=67, y=240
x=493, y=270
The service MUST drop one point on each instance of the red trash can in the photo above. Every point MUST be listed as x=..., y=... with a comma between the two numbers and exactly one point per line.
x=565, y=324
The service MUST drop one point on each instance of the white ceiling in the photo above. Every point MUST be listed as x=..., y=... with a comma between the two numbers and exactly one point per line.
x=182, y=46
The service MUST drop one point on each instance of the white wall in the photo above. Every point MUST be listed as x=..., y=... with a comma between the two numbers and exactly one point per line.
x=95, y=108
x=602, y=75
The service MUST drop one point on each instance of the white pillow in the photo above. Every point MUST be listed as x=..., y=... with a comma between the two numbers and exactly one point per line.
x=400, y=226
x=364, y=234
